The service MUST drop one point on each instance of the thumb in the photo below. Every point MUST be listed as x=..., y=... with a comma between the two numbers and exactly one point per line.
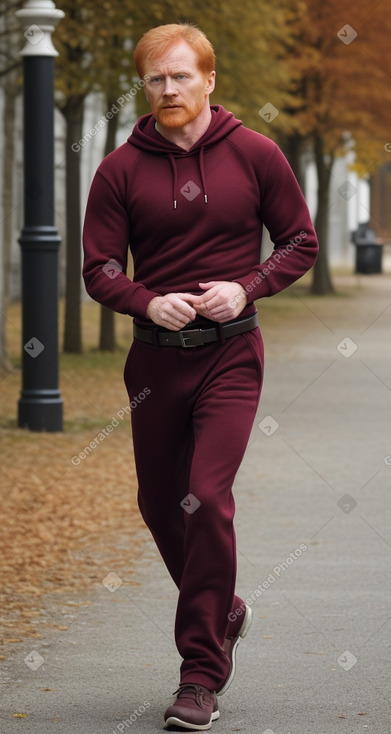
x=206, y=286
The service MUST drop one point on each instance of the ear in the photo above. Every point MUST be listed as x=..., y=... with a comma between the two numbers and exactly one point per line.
x=210, y=82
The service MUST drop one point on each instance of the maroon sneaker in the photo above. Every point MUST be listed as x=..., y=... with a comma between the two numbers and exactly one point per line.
x=230, y=646
x=195, y=708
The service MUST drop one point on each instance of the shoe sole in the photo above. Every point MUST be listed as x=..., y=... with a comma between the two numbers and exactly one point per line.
x=242, y=633
x=175, y=721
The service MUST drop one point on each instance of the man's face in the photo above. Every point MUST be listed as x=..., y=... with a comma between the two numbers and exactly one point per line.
x=177, y=91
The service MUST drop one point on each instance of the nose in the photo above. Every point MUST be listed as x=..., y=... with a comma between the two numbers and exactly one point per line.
x=170, y=89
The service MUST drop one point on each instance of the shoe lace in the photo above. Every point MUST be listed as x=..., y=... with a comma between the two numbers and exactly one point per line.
x=189, y=690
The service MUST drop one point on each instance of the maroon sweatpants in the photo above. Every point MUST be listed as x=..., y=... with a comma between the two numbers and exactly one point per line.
x=190, y=432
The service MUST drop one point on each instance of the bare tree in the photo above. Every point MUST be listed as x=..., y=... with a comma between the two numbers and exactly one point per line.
x=9, y=73
x=107, y=316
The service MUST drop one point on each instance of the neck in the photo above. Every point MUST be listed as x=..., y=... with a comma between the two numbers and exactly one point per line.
x=186, y=136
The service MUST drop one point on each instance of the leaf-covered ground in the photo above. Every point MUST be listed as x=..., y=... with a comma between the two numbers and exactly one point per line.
x=66, y=521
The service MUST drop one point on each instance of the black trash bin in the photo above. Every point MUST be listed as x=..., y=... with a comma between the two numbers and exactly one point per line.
x=369, y=250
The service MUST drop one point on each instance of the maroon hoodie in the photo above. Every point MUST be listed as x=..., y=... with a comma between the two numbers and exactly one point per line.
x=194, y=216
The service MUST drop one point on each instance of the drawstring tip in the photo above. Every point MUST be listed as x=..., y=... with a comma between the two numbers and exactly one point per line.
x=175, y=204
x=206, y=198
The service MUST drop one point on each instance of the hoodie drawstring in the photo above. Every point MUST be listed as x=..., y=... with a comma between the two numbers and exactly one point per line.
x=202, y=172
x=174, y=179
x=175, y=176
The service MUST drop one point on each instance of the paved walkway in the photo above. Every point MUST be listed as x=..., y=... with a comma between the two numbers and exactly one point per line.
x=314, y=546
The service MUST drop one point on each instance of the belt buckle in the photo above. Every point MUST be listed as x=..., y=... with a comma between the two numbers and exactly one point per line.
x=194, y=336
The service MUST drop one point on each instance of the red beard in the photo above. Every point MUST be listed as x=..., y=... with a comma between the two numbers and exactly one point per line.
x=178, y=116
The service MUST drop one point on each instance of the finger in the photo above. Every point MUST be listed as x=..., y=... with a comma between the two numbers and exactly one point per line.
x=174, y=323
x=187, y=297
x=211, y=283
x=200, y=303
x=175, y=327
x=202, y=310
x=219, y=309
x=212, y=300
x=197, y=300
x=182, y=307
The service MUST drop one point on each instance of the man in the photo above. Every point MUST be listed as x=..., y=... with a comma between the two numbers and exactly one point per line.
x=189, y=193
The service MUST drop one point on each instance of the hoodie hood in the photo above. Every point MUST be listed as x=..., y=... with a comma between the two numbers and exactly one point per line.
x=145, y=137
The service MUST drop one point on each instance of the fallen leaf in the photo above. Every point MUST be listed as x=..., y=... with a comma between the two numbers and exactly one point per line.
x=20, y=716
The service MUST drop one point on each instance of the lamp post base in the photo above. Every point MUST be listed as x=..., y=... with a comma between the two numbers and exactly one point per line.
x=41, y=411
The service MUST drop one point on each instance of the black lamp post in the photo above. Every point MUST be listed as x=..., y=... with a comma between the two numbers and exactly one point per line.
x=40, y=406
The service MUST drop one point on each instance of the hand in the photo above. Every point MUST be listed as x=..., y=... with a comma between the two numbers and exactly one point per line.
x=222, y=300
x=172, y=311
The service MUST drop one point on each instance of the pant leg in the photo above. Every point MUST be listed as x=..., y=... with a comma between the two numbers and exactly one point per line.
x=189, y=435
x=163, y=445
x=223, y=415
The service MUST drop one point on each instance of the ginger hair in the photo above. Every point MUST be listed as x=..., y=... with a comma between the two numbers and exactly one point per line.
x=155, y=42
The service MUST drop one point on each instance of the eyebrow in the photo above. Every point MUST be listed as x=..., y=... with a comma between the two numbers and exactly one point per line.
x=170, y=72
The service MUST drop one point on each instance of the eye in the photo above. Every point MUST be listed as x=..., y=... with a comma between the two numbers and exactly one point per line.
x=155, y=79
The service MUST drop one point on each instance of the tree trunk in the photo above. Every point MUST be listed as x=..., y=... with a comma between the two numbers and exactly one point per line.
x=10, y=88
x=73, y=113
x=321, y=283
x=107, y=330
x=107, y=315
x=293, y=149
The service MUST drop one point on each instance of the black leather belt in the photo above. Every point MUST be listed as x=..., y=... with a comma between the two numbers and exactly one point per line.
x=195, y=337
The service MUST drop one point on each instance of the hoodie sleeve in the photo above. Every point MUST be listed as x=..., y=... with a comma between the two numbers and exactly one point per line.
x=285, y=214
x=106, y=236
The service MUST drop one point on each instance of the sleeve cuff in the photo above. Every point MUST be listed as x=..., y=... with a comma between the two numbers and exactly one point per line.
x=140, y=302
x=255, y=284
